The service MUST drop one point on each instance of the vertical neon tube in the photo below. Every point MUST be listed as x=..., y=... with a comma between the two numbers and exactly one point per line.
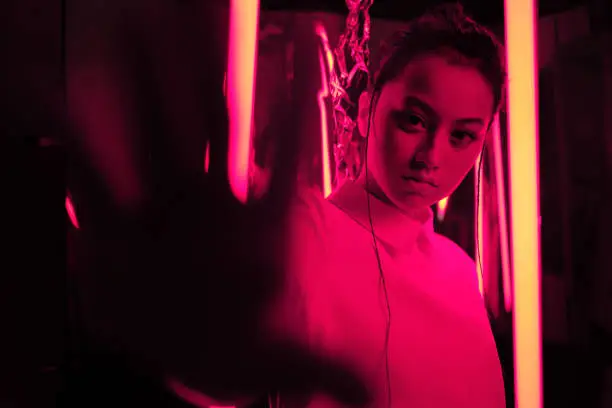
x=325, y=161
x=520, y=16
x=244, y=20
x=501, y=214
x=325, y=55
x=479, y=219
x=207, y=157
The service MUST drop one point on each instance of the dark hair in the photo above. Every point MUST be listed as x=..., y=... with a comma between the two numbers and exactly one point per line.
x=448, y=30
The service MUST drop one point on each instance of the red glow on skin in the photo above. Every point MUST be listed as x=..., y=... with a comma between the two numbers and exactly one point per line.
x=71, y=213
x=521, y=24
x=242, y=66
x=321, y=96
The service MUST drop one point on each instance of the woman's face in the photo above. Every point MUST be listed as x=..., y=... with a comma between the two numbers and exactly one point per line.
x=427, y=128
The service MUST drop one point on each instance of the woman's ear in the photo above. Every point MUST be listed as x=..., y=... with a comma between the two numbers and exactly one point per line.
x=363, y=113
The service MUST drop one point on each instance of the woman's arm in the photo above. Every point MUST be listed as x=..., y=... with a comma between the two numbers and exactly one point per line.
x=174, y=272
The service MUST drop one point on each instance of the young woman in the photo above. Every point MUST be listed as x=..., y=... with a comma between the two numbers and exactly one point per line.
x=176, y=275
x=379, y=290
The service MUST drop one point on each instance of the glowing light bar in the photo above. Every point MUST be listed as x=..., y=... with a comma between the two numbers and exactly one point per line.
x=322, y=94
x=207, y=157
x=71, y=213
x=520, y=26
x=244, y=20
x=479, y=219
x=501, y=215
x=442, y=206
x=325, y=162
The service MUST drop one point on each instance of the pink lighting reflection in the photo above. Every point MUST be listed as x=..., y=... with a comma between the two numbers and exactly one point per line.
x=71, y=213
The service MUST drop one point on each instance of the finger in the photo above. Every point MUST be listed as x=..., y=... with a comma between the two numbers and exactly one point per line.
x=105, y=102
x=217, y=137
x=295, y=134
x=215, y=33
x=288, y=369
x=285, y=165
x=187, y=81
x=105, y=137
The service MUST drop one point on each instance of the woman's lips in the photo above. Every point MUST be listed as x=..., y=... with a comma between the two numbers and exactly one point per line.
x=418, y=181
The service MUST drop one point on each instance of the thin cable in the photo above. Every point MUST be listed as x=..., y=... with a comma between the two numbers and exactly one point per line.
x=377, y=253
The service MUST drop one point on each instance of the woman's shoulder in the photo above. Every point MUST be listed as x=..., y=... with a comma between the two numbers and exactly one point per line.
x=456, y=260
x=453, y=249
x=309, y=200
x=311, y=210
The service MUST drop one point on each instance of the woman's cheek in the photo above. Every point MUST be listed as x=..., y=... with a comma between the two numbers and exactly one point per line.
x=402, y=147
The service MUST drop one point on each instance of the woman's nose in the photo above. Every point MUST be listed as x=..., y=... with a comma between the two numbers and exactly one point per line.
x=428, y=155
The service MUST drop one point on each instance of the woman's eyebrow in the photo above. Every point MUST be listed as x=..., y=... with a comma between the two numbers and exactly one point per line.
x=412, y=101
x=470, y=121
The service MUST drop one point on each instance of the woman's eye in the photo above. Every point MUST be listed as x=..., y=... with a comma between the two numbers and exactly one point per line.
x=416, y=120
x=462, y=138
x=411, y=122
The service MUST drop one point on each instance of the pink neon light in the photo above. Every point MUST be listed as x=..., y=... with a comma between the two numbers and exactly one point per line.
x=523, y=142
x=71, y=213
x=244, y=19
x=501, y=214
x=322, y=94
x=207, y=157
x=325, y=162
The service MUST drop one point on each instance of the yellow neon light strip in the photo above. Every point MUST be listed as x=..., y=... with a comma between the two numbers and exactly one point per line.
x=322, y=94
x=479, y=197
x=244, y=19
x=521, y=22
x=325, y=162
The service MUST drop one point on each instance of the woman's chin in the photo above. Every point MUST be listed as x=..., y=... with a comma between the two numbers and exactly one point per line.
x=415, y=206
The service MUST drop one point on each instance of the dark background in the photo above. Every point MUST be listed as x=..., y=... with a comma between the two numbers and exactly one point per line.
x=489, y=12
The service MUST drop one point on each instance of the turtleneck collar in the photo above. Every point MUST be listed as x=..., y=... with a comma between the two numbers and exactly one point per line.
x=395, y=229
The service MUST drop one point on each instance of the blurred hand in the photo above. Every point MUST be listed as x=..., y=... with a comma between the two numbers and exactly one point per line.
x=173, y=269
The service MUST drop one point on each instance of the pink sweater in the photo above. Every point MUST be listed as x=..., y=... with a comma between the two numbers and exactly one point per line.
x=441, y=349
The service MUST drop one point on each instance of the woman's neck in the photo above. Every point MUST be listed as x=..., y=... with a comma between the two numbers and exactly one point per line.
x=348, y=198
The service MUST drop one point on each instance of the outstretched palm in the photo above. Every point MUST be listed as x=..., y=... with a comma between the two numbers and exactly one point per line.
x=176, y=271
